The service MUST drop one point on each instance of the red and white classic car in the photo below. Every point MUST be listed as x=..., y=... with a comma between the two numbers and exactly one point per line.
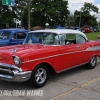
x=56, y=50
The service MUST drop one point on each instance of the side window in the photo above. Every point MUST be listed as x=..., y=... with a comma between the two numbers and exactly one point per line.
x=70, y=39
x=15, y=36
x=5, y=35
x=80, y=39
x=19, y=35
x=52, y=39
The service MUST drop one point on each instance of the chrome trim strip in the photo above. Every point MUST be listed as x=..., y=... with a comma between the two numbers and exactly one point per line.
x=96, y=48
x=1, y=69
x=50, y=56
x=93, y=48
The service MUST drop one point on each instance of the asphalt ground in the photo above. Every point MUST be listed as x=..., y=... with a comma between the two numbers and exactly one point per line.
x=74, y=84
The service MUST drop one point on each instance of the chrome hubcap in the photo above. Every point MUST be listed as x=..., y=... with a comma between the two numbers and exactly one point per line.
x=93, y=61
x=40, y=75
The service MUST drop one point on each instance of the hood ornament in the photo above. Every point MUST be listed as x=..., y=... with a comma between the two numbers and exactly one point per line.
x=14, y=50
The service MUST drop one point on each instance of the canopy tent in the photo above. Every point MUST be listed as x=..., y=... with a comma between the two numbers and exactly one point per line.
x=60, y=27
x=37, y=28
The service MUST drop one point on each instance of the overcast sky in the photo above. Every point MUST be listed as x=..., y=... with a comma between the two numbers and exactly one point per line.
x=77, y=4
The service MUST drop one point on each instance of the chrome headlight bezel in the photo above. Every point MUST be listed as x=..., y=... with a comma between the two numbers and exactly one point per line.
x=16, y=60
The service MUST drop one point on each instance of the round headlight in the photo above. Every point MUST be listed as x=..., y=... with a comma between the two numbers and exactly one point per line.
x=16, y=60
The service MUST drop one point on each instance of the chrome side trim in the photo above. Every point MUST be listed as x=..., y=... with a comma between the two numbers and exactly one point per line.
x=50, y=56
x=95, y=48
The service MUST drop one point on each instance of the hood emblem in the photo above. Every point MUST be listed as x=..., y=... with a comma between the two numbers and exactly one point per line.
x=14, y=50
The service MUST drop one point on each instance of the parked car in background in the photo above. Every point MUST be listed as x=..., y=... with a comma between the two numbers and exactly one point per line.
x=86, y=30
x=12, y=36
x=76, y=28
x=94, y=29
x=57, y=50
x=97, y=28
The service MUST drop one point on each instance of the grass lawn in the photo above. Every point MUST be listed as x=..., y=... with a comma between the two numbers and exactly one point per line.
x=92, y=36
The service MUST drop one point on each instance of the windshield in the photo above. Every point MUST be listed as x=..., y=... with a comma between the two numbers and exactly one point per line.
x=4, y=35
x=42, y=38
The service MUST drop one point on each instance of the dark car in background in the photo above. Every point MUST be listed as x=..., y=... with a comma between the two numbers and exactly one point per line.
x=12, y=36
x=97, y=28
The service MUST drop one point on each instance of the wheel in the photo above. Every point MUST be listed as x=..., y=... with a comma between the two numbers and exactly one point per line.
x=92, y=63
x=39, y=76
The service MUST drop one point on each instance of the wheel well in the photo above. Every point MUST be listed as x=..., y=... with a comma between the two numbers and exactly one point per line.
x=49, y=67
x=96, y=55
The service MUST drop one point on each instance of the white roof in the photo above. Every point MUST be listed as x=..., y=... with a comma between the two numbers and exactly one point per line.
x=59, y=31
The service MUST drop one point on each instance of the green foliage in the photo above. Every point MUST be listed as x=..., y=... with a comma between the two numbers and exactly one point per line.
x=86, y=17
x=6, y=16
x=90, y=7
x=92, y=36
x=53, y=12
x=70, y=21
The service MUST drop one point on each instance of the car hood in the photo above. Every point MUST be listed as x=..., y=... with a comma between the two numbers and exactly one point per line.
x=26, y=51
x=24, y=48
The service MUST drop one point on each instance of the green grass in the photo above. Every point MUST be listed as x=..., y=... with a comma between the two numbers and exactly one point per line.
x=92, y=36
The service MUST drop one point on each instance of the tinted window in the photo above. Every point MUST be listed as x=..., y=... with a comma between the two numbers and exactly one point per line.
x=19, y=35
x=4, y=35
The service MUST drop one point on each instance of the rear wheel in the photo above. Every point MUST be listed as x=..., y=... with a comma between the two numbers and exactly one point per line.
x=39, y=76
x=92, y=63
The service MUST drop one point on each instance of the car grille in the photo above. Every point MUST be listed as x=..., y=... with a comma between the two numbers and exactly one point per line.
x=7, y=69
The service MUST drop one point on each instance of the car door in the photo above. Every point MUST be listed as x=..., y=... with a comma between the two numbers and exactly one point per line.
x=17, y=38
x=70, y=53
x=83, y=45
x=4, y=38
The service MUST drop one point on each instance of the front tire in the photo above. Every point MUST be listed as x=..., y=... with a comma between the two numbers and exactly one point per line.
x=92, y=63
x=39, y=76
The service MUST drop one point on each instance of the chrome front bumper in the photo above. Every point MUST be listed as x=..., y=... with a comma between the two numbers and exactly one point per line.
x=13, y=73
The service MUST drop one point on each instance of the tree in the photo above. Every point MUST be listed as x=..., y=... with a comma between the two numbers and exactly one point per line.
x=6, y=16
x=53, y=12
x=70, y=22
x=90, y=7
x=84, y=16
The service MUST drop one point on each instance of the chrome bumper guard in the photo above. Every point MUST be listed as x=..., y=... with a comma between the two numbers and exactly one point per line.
x=13, y=73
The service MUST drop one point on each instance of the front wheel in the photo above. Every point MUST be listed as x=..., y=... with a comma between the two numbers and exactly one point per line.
x=39, y=76
x=92, y=63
